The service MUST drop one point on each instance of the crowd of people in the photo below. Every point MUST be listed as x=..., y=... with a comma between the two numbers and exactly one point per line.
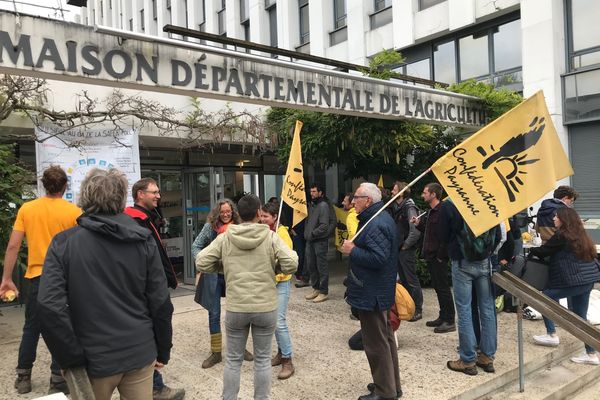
x=119, y=329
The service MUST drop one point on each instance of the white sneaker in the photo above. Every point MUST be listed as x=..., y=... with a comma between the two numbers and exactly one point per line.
x=586, y=358
x=546, y=340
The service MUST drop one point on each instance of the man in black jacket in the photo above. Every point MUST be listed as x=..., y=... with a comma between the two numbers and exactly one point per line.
x=146, y=195
x=103, y=300
x=316, y=233
x=404, y=211
x=435, y=254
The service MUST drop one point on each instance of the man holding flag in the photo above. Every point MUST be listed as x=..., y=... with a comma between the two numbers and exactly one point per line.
x=500, y=170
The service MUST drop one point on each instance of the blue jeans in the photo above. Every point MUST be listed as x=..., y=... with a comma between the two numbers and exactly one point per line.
x=31, y=332
x=466, y=276
x=214, y=313
x=237, y=328
x=580, y=299
x=282, y=334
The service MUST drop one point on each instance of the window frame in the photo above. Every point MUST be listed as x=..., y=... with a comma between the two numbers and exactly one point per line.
x=339, y=18
x=304, y=36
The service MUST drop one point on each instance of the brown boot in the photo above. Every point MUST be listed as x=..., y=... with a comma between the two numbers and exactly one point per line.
x=212, y=360
x=486, y=363
x=275, y=361
x=287, y=368
x=23, y=381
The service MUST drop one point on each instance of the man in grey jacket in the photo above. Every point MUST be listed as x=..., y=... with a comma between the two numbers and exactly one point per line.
x=316, y=233
x=403, y=211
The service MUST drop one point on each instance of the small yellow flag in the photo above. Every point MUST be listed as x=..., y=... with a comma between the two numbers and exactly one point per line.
x=505, y=167
x=293, y=192
x=380, y=182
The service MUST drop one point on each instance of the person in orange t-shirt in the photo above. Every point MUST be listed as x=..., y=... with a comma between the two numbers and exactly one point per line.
x=37, y=220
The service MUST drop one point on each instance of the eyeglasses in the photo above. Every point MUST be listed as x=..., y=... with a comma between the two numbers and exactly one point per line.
x=152, y=192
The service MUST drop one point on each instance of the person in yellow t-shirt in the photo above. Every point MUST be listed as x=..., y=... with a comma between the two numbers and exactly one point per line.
x=268, y=215
x=38, y=221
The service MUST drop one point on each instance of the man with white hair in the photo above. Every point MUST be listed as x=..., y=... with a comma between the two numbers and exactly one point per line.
x=371, y=290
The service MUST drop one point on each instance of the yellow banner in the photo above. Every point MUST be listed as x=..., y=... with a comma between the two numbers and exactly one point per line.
x=504, y=167
x=293, y=192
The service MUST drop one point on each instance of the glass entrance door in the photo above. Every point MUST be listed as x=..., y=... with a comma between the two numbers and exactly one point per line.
x=202, y=188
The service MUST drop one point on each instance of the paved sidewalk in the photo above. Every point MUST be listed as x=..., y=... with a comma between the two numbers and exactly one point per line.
x=325, y=367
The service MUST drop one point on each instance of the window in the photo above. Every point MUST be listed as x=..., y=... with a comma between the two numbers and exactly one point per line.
x=423, y=4
x=142, y=24
x=417, y=69
x=185, y=8
x=444, y=62
x=168, y=4
x=273, y=25
x=222, y=21
x=130, y=24
x=583, y=33
x=101, y=9
x=339, y=14
x=507, y=46
x=304, y=22
x=244, y=10
x=269, y=3
x=473, y=55
x=154, y=11
x=382, y=4
x=382, y=15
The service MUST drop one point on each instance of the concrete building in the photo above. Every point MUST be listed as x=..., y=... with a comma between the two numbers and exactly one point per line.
x=527, y=45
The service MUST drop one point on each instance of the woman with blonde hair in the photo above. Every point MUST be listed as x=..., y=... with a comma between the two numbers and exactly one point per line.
x=211, y=287
x=573, y=272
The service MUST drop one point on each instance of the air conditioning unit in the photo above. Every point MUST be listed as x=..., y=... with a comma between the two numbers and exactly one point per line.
x=77, y=3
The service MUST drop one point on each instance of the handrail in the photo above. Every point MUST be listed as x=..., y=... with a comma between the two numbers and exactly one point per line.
x=567, y=320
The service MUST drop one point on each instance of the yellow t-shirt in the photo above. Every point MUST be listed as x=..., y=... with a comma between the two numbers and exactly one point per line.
x=41, y=219
x=282, y=231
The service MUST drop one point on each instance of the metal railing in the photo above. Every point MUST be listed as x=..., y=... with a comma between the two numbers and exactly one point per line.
x=551, y=309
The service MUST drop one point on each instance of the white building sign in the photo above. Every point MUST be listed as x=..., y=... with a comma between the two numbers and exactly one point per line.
x=64, y=51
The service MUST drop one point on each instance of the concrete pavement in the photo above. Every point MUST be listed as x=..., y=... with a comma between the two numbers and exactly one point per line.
x=325, y=367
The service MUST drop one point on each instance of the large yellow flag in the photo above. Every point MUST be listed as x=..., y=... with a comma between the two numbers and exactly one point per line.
x=380, y=182
x=293, y=192
x=505, y=167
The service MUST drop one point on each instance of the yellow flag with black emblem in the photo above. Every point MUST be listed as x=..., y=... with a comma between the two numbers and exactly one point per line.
x=293, y=192
x=504, y=167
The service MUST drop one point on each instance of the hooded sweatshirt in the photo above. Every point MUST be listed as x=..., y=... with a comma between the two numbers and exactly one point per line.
x=103, y=300
x=250, y=255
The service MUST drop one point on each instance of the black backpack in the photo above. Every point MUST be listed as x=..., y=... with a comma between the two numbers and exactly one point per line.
x=476, y=248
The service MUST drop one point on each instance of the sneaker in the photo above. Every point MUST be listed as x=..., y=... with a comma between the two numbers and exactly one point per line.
x=320, y=298
x=312, y=295
x=546, y=340
x=445, y=327
x=434, y=323
x=486, y=363
x=248, y=356
x=23, y=383
x=586, y=358
x=461, y=366
x=166, y=393
x=212, y=360
x=416, y=316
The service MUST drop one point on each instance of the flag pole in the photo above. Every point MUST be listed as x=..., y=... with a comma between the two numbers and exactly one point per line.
x=279, y=215
x=390, y=202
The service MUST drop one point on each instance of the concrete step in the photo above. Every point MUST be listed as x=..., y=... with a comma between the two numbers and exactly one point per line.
x=550, y=377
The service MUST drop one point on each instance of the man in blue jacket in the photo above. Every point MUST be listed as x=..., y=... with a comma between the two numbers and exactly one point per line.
x=371, y=290
x=563, y=196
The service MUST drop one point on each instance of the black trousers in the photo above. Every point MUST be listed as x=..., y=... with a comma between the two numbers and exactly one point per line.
x=441, y=283
x=407, y=270
x=380, y=348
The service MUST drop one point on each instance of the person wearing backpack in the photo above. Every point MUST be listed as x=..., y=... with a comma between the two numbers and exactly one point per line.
x=404, y=210
x=471, y=271
x=320, y=224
